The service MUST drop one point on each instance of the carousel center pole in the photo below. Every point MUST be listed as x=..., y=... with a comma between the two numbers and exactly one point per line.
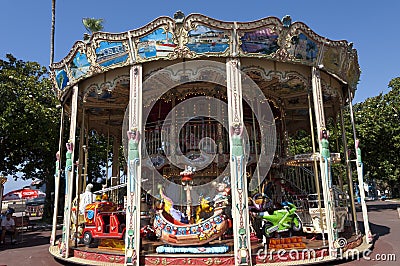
x=187, y=182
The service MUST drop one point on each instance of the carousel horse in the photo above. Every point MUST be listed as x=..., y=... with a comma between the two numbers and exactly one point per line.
x=204, y=207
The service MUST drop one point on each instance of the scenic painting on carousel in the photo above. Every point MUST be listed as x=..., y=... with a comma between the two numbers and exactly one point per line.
x=207, y=40
x=159, y=43
x=61, y=79
x=302, y=47
x=262, y=41
x=111, y=53
x=79, y=65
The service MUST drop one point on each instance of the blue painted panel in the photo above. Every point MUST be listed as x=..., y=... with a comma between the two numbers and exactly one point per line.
x=158, y=43
x=79, y=65
x=303, y=48
x=61, y=79
x=207, y=40
x=111, y=53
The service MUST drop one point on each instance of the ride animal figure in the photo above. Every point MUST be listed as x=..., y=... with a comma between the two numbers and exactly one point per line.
x=204, y=207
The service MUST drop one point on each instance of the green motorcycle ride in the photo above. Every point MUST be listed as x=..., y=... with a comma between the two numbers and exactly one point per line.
x=280, y=220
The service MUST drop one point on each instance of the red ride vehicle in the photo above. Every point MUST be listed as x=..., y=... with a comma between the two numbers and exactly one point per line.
x=102, y=220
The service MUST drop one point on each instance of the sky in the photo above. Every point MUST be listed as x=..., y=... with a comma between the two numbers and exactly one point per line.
x=372, y=26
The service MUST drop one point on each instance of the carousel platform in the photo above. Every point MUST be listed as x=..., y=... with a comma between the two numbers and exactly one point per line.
x=310, y=251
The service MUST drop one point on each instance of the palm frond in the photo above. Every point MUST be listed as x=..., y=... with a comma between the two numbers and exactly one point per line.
x=93, y=24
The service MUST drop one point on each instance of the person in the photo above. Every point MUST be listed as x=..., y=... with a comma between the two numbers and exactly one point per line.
x=8, y=228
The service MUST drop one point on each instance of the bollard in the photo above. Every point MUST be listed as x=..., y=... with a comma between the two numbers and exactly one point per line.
x=398, y=210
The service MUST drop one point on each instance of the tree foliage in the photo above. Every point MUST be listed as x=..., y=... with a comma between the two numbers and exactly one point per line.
x=92, y=25
x=378, y=128
x=29, y=123
x=29, y=120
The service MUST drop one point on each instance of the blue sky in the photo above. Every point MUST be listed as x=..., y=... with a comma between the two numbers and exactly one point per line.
x=371, y=25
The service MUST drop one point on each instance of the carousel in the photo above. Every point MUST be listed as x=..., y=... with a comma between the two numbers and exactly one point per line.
x=226, y=146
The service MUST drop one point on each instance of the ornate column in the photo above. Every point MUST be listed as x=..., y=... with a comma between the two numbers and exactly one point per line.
x=69, y=174
x=360, y=176
x=324, y=162
x=132, y=235
x=348, y=170
x=57, y=180
x=240, y=214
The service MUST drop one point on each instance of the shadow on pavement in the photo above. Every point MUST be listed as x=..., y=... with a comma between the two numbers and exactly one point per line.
x=31, y=238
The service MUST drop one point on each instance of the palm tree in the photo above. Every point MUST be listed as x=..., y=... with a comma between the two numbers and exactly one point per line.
x=92, y=25
x=53, y=27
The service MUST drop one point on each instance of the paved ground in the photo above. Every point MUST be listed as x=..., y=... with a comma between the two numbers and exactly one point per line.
x=384, y=220
x=32, y=250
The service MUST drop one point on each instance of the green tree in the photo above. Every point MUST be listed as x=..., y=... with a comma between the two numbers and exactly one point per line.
x=29, y=121
x=378, y=128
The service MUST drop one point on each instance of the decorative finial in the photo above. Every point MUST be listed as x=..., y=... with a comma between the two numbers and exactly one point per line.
x=287, y=21
x=179, y=16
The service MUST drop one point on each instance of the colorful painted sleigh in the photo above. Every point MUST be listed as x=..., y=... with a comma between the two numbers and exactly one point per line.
x=190, y=234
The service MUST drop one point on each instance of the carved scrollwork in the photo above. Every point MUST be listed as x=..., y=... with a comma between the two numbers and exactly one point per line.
x=182, y=52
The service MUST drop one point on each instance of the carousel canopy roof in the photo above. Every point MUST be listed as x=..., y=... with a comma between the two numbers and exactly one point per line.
x=198, y=36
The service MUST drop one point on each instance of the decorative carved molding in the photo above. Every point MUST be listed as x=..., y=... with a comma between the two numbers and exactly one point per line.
x=337, y=57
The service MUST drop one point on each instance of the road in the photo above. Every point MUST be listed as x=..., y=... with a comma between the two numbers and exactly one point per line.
x=383, y=216
x=32, y=249
x=384, y=222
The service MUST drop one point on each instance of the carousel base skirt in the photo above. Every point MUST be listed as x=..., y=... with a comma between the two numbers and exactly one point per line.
x=217, y=249
x=85, y=256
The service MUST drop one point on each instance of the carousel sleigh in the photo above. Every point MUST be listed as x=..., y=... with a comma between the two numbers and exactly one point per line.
x=174, y=229
x=179, y=234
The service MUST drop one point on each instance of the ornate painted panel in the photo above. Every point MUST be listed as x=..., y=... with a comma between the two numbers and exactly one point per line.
x=262, y=41
x=61, y=79
x=159, y=43
x=205, y=39
x=79, y=66
x=303, y=48
x=111, y=53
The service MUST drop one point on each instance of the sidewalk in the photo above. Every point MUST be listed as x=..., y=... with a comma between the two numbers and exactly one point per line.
x=31, y=249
